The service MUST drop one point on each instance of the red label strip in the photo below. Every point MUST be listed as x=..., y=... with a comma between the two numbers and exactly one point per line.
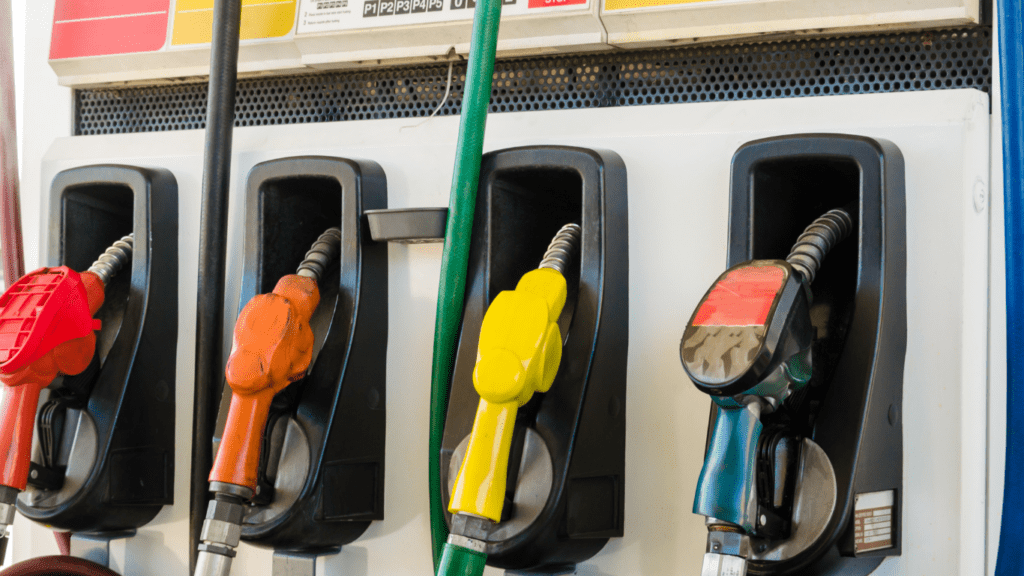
x=79, y=9
x=102, y=27
x=743, y=297
x=553, y=3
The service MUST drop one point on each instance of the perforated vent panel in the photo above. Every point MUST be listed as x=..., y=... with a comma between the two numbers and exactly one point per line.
x=897, y=62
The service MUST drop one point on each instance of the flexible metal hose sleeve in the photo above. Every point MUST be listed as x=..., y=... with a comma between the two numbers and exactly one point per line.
x=817, y=240
x=455, y=257
x=213, y=237
x=563, y=247
x=10, y=207
x=324, y=251
x=57, y=566
x=113, y=259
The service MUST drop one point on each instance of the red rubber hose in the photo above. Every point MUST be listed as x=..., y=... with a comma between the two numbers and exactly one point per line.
x=10, y=210
x=57, y=566
x=63, y=542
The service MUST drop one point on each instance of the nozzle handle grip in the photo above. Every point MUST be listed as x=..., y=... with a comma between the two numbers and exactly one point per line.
x=728, y=481
x=21, y=400
x=238, y=457
x=480, y=486
x=17, y=419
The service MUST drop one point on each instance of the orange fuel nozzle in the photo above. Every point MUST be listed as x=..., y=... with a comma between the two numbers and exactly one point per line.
x=273, y=347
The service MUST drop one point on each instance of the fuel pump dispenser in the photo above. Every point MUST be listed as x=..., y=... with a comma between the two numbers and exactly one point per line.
x=519, y=354
x=533, y=453
x=803, y=469
x=102, y=342
x=50, y=331
x=273, y=347
x=748, y=345
x=300, y=462
x=98, y=469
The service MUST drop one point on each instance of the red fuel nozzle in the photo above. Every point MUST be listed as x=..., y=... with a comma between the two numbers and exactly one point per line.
x=273, y=347
x=46, y=329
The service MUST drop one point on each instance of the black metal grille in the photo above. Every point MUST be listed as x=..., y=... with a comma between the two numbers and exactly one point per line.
x=863, y=64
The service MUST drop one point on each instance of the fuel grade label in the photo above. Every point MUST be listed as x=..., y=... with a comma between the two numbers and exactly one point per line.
x=337, y=15
x=102, y=27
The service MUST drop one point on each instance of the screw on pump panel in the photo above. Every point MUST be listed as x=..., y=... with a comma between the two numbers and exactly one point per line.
x=273, y=348
x=519, y=354
x=48, y=316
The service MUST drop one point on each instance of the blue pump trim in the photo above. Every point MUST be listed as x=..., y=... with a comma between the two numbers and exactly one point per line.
x=1011, y=67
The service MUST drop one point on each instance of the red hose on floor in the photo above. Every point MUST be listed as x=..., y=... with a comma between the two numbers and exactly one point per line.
x=57, y=566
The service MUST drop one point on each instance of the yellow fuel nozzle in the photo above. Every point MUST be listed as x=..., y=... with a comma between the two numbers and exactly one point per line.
x=519, y=353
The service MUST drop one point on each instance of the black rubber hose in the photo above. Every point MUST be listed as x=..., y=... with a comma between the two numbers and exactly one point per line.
x=213, y=238
x=818, y=240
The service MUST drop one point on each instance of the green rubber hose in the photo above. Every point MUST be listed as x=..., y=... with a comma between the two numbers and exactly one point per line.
x=476, y=98
x=459, y=561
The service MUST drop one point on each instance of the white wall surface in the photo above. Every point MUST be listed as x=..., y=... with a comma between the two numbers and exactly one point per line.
x=46, y=114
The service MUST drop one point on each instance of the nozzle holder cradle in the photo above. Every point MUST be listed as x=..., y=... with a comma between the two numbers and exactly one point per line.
x=778, y=186
x=128, y=420
x=337, y=412
x=525, y=196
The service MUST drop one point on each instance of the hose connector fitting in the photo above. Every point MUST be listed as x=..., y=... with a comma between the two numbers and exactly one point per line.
x=8, y=498
x=324, y=251
x=222, y=531
x=727, y=550
x=465, y=552
x=113, y=259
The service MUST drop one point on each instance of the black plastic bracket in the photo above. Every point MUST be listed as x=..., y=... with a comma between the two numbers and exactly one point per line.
x=408, y=225
x=131, y=404
x=525, y=196
x=854, y=402
x=340, y=405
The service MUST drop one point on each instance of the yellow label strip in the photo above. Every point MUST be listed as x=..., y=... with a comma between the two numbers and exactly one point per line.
x=193, y=20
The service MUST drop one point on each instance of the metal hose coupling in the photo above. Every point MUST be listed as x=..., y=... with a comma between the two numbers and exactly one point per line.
x=727, y=550
x=222, y=531
x=817, y=240
x=8, y=499
x=113, y=259
x=562, y=248
x=465, y=552
x=324, y=251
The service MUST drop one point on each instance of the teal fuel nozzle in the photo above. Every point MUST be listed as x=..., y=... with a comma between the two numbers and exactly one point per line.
x=748, y=346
